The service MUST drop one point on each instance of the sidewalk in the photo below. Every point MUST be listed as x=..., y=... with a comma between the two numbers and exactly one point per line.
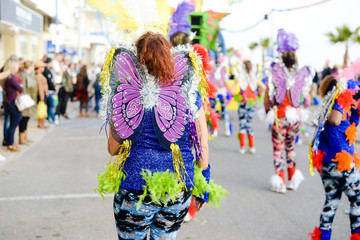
x=34, y=133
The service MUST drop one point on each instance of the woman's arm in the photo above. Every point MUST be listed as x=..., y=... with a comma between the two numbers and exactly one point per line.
x=201, y=129
x=113, y=145
x=5, y=74
x=335, y=117
x=40, y=86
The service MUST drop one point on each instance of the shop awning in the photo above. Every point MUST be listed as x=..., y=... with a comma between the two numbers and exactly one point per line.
x=17, y=15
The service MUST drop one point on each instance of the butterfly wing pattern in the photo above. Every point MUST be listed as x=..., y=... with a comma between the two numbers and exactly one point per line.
x=299, y=84
x=279, y=79
x=169, y=115
x=128, y=110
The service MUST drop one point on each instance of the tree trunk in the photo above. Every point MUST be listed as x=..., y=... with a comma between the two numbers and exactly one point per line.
x=263, y=57
x=346, y=56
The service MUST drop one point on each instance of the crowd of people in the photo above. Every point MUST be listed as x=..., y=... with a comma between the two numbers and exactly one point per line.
x=50, y=83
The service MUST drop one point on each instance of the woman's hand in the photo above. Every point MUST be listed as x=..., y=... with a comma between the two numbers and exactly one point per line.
x=199, y=205
x=354, y=104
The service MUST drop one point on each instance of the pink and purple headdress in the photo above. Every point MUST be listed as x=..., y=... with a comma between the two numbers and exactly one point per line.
x=286, y=41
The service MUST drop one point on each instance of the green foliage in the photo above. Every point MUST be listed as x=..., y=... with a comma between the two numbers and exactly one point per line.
x=253, y=45
x=356, y=38
x=110, y=180
x=343, y=34
x=265, y=42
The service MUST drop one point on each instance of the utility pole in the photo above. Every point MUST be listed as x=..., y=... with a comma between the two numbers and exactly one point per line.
x=80, y=31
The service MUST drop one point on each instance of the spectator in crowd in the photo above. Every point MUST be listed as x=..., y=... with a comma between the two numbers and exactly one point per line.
x=98, y=94
x=4, y=74
x=43, y=89
x=82, y=84
x=58, y=69
x=65, y=91
x=327, y=70
x=29, y=85
x=51, y=86
x=12, y=89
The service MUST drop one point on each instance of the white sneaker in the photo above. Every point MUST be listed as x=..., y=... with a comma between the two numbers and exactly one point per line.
x=227, y=133
x=188, y=218
x=215, y=133
x=2, y=158
x=252, y=150
x=56, y=121
x=242, y=150
x=277, y=184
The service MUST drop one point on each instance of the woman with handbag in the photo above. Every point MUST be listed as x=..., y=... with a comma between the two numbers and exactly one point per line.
x=12, y=89
x=30, y=88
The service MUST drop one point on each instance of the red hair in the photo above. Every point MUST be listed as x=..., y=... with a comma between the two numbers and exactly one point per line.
x=154, y=51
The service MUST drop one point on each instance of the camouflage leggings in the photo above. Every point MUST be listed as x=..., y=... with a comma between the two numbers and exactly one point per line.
x=283, y=138
x=336, y=182
x=163, y=222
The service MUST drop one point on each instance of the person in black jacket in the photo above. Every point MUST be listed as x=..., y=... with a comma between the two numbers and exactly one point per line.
x=50, y=100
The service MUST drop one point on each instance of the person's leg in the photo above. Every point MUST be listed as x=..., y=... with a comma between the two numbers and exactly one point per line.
x=278, y=132
x=6, y=123
x=66, y=99
x=242, y=126
x=295, y=176
x=22, y=128
x=249, y=130
x=15, y=117
x=352, y=191
x=168, y=220
x=332, y=182
x=130, y=222
x=50, y=109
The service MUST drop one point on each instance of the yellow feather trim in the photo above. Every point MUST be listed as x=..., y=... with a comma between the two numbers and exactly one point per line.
x=106, y=71
x=178, y=162
x=203, y=86
x=311, y=166
x=117, y=13
x=123, y=154
x=163, y=10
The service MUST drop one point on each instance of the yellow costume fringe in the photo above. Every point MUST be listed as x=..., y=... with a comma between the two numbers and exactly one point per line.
x=178, y=163
x=107, y=68
x=203, y=86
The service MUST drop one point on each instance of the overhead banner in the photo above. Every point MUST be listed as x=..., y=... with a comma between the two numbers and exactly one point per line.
x=15, y=14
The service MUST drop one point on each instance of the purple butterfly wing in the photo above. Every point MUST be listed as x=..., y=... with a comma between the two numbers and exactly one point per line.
x=170, y=111
x=295, y=91
x=128, y=111
x=279, y=79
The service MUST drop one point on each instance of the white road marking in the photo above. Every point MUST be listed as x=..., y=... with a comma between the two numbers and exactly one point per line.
x=54, y=197
x=78, y=138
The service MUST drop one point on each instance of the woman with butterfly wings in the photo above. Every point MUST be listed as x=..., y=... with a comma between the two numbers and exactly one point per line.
x=153, y=102
x=287, y=86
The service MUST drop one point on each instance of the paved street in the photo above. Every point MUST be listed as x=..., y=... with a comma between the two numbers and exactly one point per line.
x=46, y=192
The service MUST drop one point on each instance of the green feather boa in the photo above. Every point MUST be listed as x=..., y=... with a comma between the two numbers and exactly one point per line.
x=110, y=180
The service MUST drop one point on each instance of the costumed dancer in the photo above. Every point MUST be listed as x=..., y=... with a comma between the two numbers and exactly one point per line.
x=152, y=101
x=219, y=76
x=332, y=150
x=286, y=84
x=245, y=75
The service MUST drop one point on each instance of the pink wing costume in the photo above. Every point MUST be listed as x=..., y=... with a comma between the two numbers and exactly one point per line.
x=134, y=91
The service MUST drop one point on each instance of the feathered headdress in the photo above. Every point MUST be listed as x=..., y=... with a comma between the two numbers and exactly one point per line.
x=286, y=41
x=181, y=18
x=135, y=17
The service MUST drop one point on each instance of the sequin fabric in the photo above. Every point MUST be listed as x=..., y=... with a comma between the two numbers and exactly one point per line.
x=148, y=153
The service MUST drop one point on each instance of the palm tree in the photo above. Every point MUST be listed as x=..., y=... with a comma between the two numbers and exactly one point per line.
x=343, y=34
x=356, y=38
x=253, y=45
